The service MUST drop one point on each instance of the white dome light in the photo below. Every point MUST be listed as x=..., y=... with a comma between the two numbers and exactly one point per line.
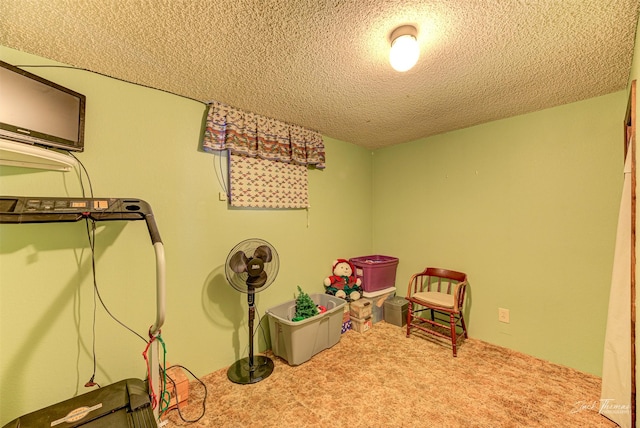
x=404, y=48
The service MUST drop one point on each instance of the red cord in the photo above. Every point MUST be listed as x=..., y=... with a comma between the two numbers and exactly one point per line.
x=154, y=398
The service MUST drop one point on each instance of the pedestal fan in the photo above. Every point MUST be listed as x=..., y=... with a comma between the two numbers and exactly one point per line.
x=251, y=267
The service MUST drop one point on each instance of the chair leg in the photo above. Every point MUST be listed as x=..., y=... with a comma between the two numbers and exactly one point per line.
x=464, y=326
x=452, y=323
x=409, y=315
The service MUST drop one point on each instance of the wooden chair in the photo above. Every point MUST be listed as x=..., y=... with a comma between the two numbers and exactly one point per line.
x=441, y=292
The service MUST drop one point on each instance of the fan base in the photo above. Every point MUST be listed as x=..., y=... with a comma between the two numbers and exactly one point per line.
x=240, y=371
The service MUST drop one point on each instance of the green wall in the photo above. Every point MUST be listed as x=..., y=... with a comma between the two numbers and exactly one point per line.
x=528, y=208
x=144, y=143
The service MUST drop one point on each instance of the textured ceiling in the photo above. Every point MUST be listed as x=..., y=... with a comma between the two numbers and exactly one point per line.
x=323, y=64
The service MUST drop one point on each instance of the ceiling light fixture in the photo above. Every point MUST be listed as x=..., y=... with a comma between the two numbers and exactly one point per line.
x=404, y=48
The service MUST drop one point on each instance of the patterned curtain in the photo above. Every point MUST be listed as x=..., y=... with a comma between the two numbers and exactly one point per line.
x=268, y=159
x=252, y=135
x=260, y=183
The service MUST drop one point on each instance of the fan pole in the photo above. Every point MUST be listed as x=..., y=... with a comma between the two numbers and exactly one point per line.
x=252, y=316
x=245, y=370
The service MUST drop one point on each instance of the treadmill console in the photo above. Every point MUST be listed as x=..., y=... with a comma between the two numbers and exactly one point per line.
x=52, y=210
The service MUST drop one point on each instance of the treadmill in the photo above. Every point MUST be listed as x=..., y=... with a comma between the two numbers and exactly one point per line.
x=126, y=403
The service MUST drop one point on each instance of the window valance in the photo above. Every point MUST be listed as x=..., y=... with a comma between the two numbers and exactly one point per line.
x=252, y=135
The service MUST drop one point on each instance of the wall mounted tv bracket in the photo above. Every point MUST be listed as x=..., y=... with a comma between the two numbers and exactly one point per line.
x=19, y=210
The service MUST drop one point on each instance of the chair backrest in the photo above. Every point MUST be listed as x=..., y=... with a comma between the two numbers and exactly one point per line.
x=439, y=280
x=445, y=274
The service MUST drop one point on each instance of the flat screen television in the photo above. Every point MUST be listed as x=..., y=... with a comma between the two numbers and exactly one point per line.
x=37, y=111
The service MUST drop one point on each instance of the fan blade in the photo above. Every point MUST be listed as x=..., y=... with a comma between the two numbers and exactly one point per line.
x=238, y=262
x=257, y=281
x=263, y=252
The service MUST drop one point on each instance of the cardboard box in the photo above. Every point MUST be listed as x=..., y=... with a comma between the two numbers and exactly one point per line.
x=361, y=325
x=361, y=308
x=180, y=393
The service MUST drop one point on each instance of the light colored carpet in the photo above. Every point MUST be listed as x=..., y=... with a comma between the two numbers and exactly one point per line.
x=380, y=378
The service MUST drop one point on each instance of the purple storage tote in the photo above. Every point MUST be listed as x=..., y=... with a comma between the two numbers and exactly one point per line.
x=376, y=272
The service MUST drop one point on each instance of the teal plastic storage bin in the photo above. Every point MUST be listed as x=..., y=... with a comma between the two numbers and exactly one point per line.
x=298, y=341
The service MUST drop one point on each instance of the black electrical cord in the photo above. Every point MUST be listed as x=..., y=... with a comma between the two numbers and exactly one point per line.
x=175, y=388
x=80, y=174
x=91, y=236
x=70, y=67
x=91, y=382
x=260, y=326
x=95, y=281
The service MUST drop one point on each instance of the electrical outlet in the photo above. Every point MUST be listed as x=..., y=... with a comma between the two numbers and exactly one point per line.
x=222, y=196
x=503, y=315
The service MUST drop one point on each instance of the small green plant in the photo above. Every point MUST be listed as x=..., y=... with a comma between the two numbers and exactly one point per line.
x=305, y=306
